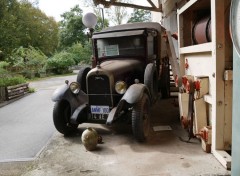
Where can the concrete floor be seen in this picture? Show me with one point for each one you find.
(164, 154)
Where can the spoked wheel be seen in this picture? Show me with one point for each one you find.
(61, 118)
(141, 119)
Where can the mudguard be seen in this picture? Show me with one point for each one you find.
(59, 93)
(77, 102)
(133, 95)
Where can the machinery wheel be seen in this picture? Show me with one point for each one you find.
(151, 80)
(141, 118)
(81, 78)
(61, 116)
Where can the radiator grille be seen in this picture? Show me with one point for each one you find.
(99, 90)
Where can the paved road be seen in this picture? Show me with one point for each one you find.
(26, 125)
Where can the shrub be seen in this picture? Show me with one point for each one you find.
(4, 64)
(60, 62)
(27, 60)
(81, 54)
(3, 70)
(11, 81)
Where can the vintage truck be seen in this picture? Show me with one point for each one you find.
(122, 84)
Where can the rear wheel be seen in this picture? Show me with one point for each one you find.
(61, 118)
(141, 118)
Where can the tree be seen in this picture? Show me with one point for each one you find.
(36, 29)
(81, 54)
(140, 15)
(118, 14)
(8, 27)
(72, 28)
(99, 26)
(22, 24)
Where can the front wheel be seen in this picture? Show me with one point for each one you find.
(151, 80)
(141, 118)
(61, 118)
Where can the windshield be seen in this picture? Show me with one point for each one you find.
(121, 46)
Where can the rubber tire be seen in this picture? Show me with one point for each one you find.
(81, 78)
(151, 80)
(165, 82)
(141, 118)
(61, 116)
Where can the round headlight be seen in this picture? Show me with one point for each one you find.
(121, 87)
(74, 87)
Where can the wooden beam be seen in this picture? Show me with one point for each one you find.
(152, 6)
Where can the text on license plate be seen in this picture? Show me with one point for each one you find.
(99, 109)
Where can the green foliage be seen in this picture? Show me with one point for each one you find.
(99, 25)
(22, 24)
(27, 61)
(11, 81)
(31, 90)
(81, 54)
(72, 28)
(36, 29)
(140, 15)
(3, 68)
(3, 64)
(60, 62)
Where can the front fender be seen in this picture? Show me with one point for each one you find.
(59, 93)
(135, 93)
(132, 96)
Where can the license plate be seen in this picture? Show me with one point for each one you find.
(99, 109)
(99, 116)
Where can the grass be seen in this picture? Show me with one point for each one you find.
(31, 90)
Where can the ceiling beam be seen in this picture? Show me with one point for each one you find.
(109, 3)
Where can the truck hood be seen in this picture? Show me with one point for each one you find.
(121, 66)
(118, 67)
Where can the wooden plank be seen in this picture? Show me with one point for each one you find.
(17, 92)
(183, 99)
(200, 113)
(15, 96)
(2, 94)
(168, 7)
(205, 47)
(227, 131)
(208, 99)
(172, 55)
(223, 157)
(16, 86)
(218, 64)
(186, 6)
(17, 89)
